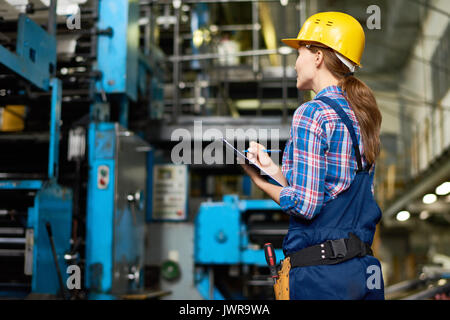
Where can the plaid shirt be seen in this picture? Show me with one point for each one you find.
(318, 160)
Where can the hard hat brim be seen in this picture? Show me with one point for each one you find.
(292, 42)
(296, 43)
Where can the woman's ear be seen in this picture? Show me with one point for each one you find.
(318, 58)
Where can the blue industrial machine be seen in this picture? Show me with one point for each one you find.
(115, 211)
(99, 225)
(35, 56)
(231, 234)
(117, 54)
(118, 158)
(35, 211)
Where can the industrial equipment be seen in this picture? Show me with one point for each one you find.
(117, 157)
(75, 89)
(30, 196)
(229, 240)
(432, 281)
(115, 211)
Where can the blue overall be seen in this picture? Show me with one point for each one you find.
(354, 210)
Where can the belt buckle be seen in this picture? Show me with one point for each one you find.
(338, 248)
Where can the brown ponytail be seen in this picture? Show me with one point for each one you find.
(361, 100)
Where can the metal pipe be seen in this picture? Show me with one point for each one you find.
(188, 101)
(211, 283)
(55, 259)
(12, 240)
(6, 230)
(284, 88)
(176, 67)
(147, 30)
(259, 95)
(403, 286)
(302, 12)
(226, 90)
(208, 56)
(267, 232)
(11, 252)
(255, 35)
(428, 293)
(51, 26)
(93, 51)
(239, 27)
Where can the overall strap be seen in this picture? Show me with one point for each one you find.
(348, 123)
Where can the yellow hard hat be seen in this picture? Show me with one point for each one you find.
(336, 30)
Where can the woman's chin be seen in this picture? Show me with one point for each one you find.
(301, 86)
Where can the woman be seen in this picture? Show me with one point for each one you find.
(328, 168)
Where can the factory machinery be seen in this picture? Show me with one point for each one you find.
(229, 239)
(230, 261)
(76, 182)
(73, 176)
(432, 283)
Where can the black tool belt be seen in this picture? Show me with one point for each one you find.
(330, 252)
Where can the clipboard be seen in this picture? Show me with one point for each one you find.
(253, 164)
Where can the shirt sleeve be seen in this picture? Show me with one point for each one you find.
(286, 167)
(304, 198)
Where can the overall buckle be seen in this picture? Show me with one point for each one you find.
(338, 248)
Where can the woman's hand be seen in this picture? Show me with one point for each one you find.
(251, 172)
(256, 153)
(262, 159)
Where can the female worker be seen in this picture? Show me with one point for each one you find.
(328, 167)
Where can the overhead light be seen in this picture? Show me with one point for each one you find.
(66, 7)
(442, 282)
(403, 216)
(214, 28)
(443, 189)
(201, 100)
(143, 21)
(176, 4)
(284, 50)
(429, 198)
(424, 215)
(197, 38)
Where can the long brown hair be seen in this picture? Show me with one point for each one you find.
(361, 100)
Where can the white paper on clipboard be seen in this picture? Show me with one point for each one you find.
(239, 154)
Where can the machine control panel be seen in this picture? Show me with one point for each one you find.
(102, 177)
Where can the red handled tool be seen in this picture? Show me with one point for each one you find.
(271, 261)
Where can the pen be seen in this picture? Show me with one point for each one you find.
(267, 150)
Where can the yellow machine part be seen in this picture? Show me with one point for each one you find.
(268, 32)
(12, 118)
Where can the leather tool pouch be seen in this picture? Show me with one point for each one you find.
(281, 287)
